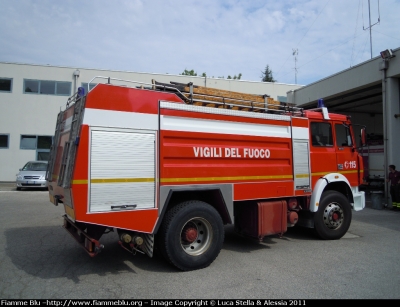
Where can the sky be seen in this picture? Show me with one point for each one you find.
(301, 41)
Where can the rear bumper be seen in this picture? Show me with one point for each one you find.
(90, 245)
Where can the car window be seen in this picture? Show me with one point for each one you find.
(33, 166)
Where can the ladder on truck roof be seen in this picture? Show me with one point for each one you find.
(224, 99)
(211, 97)
(69, 153)
(53, 148)
(56, 139)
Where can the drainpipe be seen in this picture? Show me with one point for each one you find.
(76, 76)
(383, 67)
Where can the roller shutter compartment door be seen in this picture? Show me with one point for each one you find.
(122, 170)
(301, 154)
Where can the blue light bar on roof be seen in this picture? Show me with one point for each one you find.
(81, 91)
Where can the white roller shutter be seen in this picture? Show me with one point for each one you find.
(301, 164)
(122, 170)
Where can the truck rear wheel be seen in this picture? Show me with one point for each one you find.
(191, 235)
(333, 218)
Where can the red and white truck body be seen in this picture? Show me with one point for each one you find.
(167, 173)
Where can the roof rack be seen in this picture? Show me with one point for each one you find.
(217, 98)
(208, 97)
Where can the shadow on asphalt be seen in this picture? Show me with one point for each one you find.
(50, 252)
(239, 243)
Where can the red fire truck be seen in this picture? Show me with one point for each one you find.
(166, 166)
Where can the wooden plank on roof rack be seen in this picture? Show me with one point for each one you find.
(232, 98)
(223, 98)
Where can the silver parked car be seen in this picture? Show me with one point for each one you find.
(32, 175)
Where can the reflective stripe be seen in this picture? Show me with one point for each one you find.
(340, 172)
(238, 178)
(117, 180)
(164, 180)
(113, 180)
(198, 179)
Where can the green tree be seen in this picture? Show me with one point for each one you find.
(266, 75)
(235, 77)
(189, 73)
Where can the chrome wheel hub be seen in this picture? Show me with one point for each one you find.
(196, 236)
(333, 216)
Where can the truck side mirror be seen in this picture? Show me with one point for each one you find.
(363, 136)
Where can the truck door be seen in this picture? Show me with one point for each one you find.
(323, 160)
(346, 155)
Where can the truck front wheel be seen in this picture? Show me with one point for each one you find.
(333, 218)
(191, 235)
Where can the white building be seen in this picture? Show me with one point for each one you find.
(32, 95)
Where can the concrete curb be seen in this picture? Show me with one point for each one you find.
(7, 186)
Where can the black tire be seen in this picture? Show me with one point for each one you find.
(18, 189)
(333, 218)
(191, 235)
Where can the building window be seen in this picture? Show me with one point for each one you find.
(85, 86)
(28, 142)
(63, 88)
(42, 155)
(43, 147)
(36, 141)
(31, 86)
(44, 141)
(5, 85)
(4, 140)
(282, 98)
(46, 87)
(40, 143)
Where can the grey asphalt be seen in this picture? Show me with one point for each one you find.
(39, 260)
